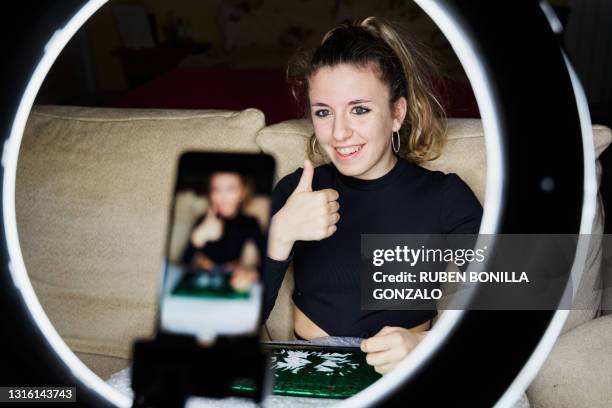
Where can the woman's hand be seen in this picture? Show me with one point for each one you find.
(203, 262)
(389, 346)
(211, 229)
(243, 278)
(306, 216)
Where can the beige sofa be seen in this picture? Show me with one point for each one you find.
(93, 196)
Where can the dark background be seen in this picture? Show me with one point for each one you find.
(213, 54)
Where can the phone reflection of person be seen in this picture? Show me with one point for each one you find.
(376, 120)
(219, 236)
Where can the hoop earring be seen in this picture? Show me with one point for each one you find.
(395, 149)
(314, 143)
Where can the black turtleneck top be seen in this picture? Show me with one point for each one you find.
(236, 232)
(407, 200)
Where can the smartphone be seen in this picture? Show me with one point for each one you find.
(216, 243)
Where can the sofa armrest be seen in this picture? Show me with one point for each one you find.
(578, 371)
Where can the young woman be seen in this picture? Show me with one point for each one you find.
(375, 120)
(219, 236)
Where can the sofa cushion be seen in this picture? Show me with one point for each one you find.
(104, 366)
(465, 155)
(577, 372)
(93, 196)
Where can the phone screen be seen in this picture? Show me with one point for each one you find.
(211, 280)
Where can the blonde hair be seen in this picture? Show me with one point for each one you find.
(400, 64)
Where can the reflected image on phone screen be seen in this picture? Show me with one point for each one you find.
(211, 282)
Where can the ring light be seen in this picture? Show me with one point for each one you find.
(465, 348)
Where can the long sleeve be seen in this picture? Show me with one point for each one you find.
(461, 211)
(274, 271)
(260, 241)
(461, 214)
(190, 250)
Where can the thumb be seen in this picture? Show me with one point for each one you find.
(305, 183)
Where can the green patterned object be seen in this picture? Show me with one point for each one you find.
(206, 285)
(316, 371)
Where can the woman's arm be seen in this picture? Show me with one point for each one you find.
(461, 213)
(273, 271)
(298, 213)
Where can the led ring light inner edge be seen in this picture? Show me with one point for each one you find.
(477, 76)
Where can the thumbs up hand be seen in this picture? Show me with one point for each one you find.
(306, 216)
(211, 229)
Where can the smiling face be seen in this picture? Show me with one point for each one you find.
(353, 120)
(226, 193)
